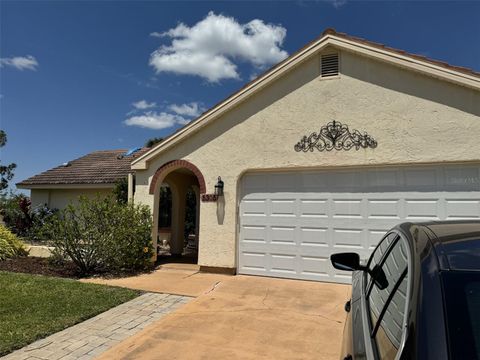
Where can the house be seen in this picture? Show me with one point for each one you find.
(323, 153)
(94, 173)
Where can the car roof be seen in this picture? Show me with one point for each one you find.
(456, 243)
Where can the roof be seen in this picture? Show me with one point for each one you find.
(439, 69)
(97, 168)
(402, 52)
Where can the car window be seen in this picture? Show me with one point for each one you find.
(379, 251)
(388, 305)
(389, 333)
(462, 300)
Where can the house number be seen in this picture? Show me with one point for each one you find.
(209, 197)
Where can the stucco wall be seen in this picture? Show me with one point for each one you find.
(414, 118)
(60, 198)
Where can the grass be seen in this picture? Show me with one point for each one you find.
(33, 307)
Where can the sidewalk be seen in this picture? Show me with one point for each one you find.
(94, 336)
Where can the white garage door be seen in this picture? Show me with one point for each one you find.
(291, 222)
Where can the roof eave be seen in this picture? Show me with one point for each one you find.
(65, 186)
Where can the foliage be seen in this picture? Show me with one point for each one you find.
(21, 219)
(16, 212)
(6, 171)
(10, 245)
(120, 191)
(102, 235)
(40, 216)
(155, 140)
(33, 307)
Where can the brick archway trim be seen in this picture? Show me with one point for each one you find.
(178, 164)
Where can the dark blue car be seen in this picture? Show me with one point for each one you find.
(418, 297)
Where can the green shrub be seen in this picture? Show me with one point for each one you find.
(102, 235)
(16, 212)
(120, 191)
(10, 245)
(21, 218)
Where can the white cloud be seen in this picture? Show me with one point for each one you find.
(154, 120)
(337, 3)
(20, 62)
(156, 34)
(208, 48)
(193, 109)
(142, 105)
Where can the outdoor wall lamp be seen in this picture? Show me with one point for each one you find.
(219, 187)
(217, 195)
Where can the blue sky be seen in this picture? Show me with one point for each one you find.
(79, 76)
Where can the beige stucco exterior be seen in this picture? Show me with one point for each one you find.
(59, 198)
(415, 119)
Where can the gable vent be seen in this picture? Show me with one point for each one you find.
(329, 65)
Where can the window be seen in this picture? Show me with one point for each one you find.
(389, 333)
(380, 250)
(387, 306)
(462, 300)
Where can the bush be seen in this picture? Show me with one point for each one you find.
(22, 219)
(16, 214)
(10, 245)
(120, 191)
(102, 235)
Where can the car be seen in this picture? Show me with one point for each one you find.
(418, 296)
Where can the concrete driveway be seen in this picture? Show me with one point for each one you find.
(246, 317)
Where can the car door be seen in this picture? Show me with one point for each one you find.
(356, 332)
(387, 308)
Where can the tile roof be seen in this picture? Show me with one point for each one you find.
(98, 167)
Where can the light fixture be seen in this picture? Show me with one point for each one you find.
(219, 187)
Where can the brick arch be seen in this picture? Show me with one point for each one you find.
(178, 164)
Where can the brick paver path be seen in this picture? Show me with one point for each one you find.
(90, 338)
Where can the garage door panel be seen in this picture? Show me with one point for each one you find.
(383, 209)
(314, 236)
(290, 223)
(254, 261)
(347, 208)
(462, 208)
(282, 235)
(313, 208)
(255, 233)
(254, 207)
(347, 239)
(283, 263)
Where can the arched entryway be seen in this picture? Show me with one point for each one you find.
(177, 187)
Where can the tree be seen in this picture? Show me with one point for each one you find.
(6, 171)
(121, 190)
(150, 142)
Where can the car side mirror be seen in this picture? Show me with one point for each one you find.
(346, 261)
(351, 262)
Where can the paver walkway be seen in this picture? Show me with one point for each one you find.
(92, 337)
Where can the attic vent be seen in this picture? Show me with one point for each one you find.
(329, 65)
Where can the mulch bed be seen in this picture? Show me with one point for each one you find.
(39, 266)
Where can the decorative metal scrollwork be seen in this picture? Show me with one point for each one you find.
(335, 136)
